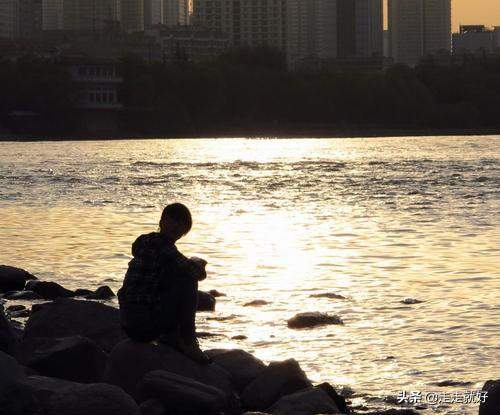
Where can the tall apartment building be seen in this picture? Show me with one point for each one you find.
(247, 22)
(476, 39)
(9, 19)
(153, 13)
(30, 18)
(418, 28)
(90, 15)
(52, 14)
(132, 15)
(329, 29)
(176, 12)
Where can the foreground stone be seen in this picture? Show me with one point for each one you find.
(75, 358)
(69, 317)
(308, 401)
(492, 404)
(12, 278)
(180, 394)
(22, 295)
(206, 301)
(277, 380)
(331, 296)
(313, 319)
(8, 337)
(410, 301)
(48, 290)
(102, 293)
(241, 365)
(130, 361)
(255, 303)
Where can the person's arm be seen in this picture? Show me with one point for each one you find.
(193, 267)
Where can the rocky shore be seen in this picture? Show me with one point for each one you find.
(72, 358)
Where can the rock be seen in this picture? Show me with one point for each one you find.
(255, 413)
(68, 317)
(216, 293)
(82, 292)
(129, 362)
(12, 278)
(95, 399)
(10, 370)
(309, 401)
(152, 407)
(313, 319)
(239, 337)
(48, 290)
(331, 296)
(255, 303)
(449, 382)
(275, 381)
(241, 365)
(206, 301)
(20, 314)
(102, 293)
(74, 358)
(181, 394)
(393, 412)
(15, 307)
(8, 337)
(23, 295)
(492, 404)
(411, 301)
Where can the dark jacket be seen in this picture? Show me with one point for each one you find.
(156, 264)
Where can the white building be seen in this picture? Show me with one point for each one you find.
(418, 28)
(247, 22)
(132, 15)
(176, 12)
(9, 19)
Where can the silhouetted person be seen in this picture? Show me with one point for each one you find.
(159, 296)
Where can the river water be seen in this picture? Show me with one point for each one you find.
(376, 220)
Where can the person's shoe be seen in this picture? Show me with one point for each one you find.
(191, 349)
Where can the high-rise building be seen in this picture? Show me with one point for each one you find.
(476, 39)
(9, 19)
(30, 18)
(153, 11)
(90, 15)
(418, 28)
(369, 28)
(132, 15)
(176, 12)
(247, 22)
(52, 14)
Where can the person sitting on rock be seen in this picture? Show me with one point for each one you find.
(159, 296)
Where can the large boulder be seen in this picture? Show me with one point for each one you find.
(152, 407)
(491, 406)
(206, 301)
(8, 337)
(312, 319)
(12, 278)
(48, 290)
(22, 295)
(130, 361)
(74, 358)
(277, 380)
(68, 317)
(102, 293)
(241, 365)
(308, 401)
(181, 394)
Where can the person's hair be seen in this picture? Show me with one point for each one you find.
(180, 213)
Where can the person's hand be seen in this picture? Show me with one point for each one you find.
(200, 261)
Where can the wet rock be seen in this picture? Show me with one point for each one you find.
(445, 383)
(12, 278)
(492, 404)
(152, 407)
(20, 313)
(102, 293)
(410, 301)
(74, 358)
(275, 381)
(48, 290)
(313, 319)
(206, 301)
(393, 412)
(23, 295)
(15, 307)
(309, 401)
(10, 370)
(8, 337)
(331, 296)
(216, 293)
(82, 292)
(239, 337)
(255, 413)
(241, 365)
(255, 303)
(181, 394)
(95, 399)
(129, 362)
(69, 317)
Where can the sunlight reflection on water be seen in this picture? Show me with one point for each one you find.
(376, 220)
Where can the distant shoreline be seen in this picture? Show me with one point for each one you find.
(298, 132)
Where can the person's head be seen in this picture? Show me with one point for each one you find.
(175, 221)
